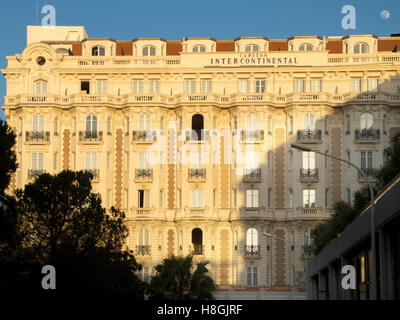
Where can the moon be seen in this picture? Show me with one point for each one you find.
(385, 14)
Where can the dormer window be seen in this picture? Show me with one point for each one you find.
(98, 51)
(305, 47)
(361, 48)
(252, 48)
(148, 51)
(199, 48)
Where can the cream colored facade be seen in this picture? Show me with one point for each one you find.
(249, 106)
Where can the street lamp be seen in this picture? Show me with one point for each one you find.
(371, 191)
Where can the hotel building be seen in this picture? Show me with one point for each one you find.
(191, 138)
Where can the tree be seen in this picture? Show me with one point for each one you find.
(61, 222)
(175, 280)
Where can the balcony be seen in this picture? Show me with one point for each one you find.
(142, 211)
(251, 210)
(369, 172)
(252, 136)
(309, 136)
(37, 137)
(251, 251)
(143, 250)
(252, 175)
(197, 249)
(367, 135)
(95, 173)
(144, 136)
(196, 174)
(142, 175)
(90, 136)
(34, 173)
(309, 175)
(197, 137)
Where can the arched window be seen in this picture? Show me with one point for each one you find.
(197, 126)
(309, 121)
(366, 121)
(41, 87)
(305, 47)
(251, 238)
(197, 241)
(91, 126)
(148, 51)
(199, 48)
(62, 51)
(38, 123)
(98, 51)
(252, 48)
(252, 121)
(144, 122)
(361, 48)
(144, 237)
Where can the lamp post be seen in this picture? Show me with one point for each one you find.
(372, 221)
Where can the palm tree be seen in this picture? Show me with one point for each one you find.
(175, 280)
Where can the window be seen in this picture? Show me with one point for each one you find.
(91, 161)
(144, 122)
(361, 48)
(154, 86)
(143, 160)
(143, 198)
(326, 198)
(252, 198)
(305, 47)
(252, 48)
(197, 159)
(355, 84)
(37, 161)
(316, 84)
(199, 48)
(91, 125)
(137, 86)
(252, 237)
(309, 121)
(348, 124)
(299, 85)
(145, 274)
(367, 160)
(309, 198)
(269, 198)
(148, 51)
(98, 51)
(40, 87)
(243, 85)
(38, 124)
(101, 86)
(197, 198)
(85, 86)
(197, 126)
(308, 160)
(366, 121)
(348, 196)
(205, 86)
(252, 276)
(373, 84)
(290, 198)
(252, 122)
(307, 237)
(190, 86)
(259, 85)
(348, 156)
(251, 158)
(144, 237)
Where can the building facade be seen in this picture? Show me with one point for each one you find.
(191, 138)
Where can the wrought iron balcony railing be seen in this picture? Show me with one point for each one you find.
(33, 173)
(309, 135)
(252, 135)
(197, 249)
(251, 175)
(144, 136)
(365, 135)
(308, 174)
(308, 250)
(143, 250)
(369, 172)
(144, 174)
(37, 136)
(196, 173)
(251, 250)
(91, 136)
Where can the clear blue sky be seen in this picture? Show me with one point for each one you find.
(175, 19)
